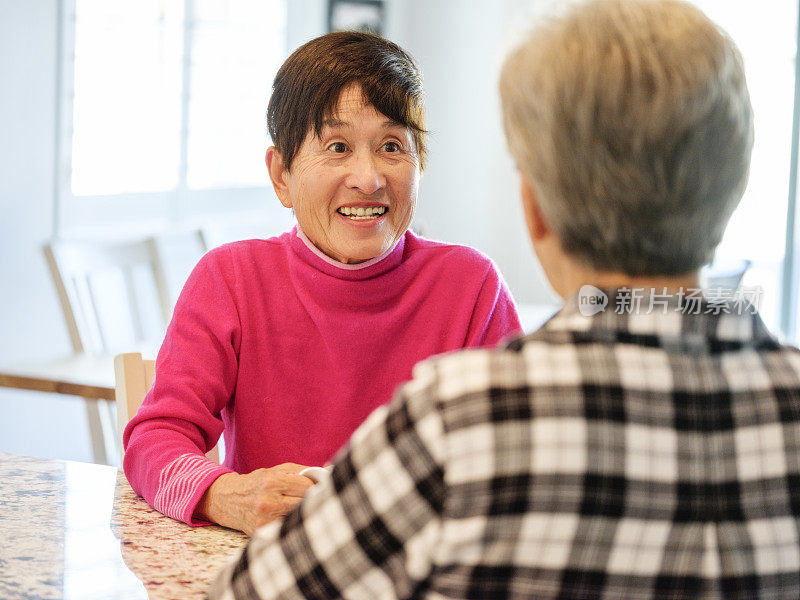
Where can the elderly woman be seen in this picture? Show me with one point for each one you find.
(285, 345)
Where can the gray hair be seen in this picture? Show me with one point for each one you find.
(632, 121)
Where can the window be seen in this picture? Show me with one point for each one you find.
(163, 107)
(767, 38)
(235, 83)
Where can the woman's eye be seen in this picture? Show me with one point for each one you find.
(391, 147)
(338, 147)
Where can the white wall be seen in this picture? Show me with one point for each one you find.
(31, 325)
(468, 193)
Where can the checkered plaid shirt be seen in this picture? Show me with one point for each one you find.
(610, 456)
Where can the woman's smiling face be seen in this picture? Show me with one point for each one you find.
(354, 188)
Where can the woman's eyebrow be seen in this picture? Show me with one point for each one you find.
(334, 123)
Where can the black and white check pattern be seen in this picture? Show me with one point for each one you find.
(640, 456)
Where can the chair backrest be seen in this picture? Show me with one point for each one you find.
(177, 254)
(113, 294)
(120, 295)
(134, 377)
(724, 276)
(257, 226)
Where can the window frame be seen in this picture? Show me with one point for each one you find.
(790, 284)
(130, 214)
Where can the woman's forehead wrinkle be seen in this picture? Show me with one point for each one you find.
(335, 123)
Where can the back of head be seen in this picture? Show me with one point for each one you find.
(632, 121)
(307, 87)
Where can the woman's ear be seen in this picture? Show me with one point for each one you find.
(278, 174)
(538, 228)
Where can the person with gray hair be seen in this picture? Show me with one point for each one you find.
(645, 442)
(634, 128)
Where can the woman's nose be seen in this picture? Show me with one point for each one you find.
(365, 174)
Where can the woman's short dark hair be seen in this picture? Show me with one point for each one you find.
(307, 87)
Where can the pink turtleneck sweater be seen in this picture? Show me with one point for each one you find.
(286, 352)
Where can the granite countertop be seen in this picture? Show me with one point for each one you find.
(74, 530)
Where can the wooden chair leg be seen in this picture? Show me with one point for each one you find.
(108, 421)
(96, 436)
(103, 432)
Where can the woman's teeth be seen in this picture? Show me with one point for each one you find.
(361, 213)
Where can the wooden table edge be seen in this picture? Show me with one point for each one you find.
(38, 384)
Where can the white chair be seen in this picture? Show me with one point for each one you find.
(112, 294)
(245, 227)
(725, 276)
(118, 296)
(134, 377)
(177, 254)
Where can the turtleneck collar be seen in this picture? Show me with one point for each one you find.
(309, 253)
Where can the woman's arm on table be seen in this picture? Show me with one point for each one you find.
(179, 421)
(371, 528)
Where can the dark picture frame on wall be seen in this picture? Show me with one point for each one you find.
(361, 15)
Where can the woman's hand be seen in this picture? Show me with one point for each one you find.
(246, 502)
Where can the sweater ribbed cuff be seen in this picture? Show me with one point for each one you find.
(182, 484)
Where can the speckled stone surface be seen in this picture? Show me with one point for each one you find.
(31, 528)
(73, 530)
(170, 557)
